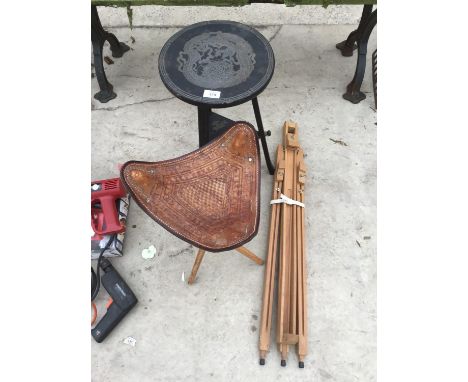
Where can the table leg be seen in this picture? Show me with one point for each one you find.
(353, 90)
(349, 45)
(262, 136)
(203, 125)
(98, 37)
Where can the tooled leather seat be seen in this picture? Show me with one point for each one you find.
(210, 197)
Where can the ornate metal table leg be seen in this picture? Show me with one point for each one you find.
(349, 45)
(98, 37)
(353, 90)
(203, 125)
(262, 135)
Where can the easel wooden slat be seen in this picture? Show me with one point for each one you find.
(268, 289)
(302, 332)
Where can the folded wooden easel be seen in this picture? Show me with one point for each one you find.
(287, 238)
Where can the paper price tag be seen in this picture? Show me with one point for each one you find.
(211, 94)
(130, 341)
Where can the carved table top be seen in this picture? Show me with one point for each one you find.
(216, 63)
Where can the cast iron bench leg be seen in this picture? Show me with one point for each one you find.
(353, 90)
(98, 37)
(349, 45)
(374, 75)
(262, 135)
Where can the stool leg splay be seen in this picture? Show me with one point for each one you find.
(201, 253)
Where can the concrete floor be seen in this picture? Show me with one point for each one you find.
(209, 331)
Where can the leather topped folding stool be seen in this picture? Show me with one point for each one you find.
(209, 198)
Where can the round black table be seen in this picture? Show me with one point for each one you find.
(218, 64)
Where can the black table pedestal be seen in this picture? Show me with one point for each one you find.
(98, 38)
(212, 125)
(204, 129)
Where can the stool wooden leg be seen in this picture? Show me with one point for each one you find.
(196, 265)
(250, 255)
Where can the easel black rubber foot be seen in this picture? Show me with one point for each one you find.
(262, 361)
(301, 364)
(283, 362)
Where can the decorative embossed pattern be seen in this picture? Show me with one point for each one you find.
(210, 197)
(216, 60)
(224, 56)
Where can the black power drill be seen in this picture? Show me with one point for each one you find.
(121, 302)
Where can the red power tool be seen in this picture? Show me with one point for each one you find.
(104, 214)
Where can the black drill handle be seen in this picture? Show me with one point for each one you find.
(110, 320)
(123, 300)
